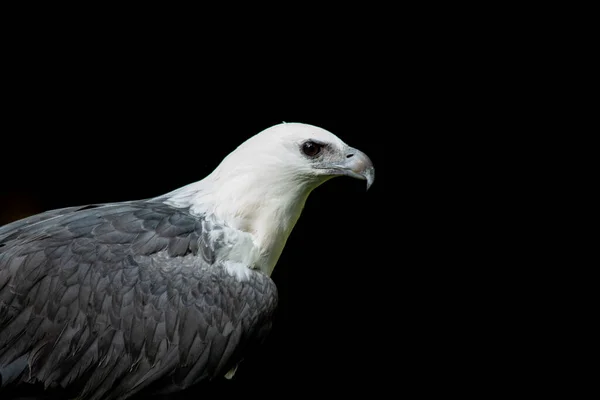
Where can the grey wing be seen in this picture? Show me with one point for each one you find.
(13, 229)
(108, 300)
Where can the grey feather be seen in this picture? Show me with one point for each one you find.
(109, 300)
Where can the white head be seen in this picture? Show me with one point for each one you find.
(261, 187)
(295, 156)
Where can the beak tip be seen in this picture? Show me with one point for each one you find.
(370, 176)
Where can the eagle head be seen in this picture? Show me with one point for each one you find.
(261, 186)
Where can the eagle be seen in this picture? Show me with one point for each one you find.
(109, 300)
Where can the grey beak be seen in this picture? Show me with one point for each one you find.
(359, 165)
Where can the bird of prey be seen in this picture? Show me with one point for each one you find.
(105, 301)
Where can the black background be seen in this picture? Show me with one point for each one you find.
(394, 288)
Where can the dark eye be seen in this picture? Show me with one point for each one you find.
(311, 148)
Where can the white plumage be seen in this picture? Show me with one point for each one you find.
(262, 186)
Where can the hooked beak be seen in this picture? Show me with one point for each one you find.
(356, 165)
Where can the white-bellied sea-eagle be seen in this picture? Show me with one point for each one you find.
(110, 300)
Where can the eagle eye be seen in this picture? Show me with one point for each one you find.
(311, 148)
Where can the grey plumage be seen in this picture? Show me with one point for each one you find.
(110, 299)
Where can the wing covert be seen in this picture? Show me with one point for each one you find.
(110, 299)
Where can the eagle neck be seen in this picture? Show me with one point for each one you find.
(266, 208)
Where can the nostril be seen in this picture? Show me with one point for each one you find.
(350, 155)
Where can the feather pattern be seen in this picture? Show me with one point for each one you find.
(108, 300)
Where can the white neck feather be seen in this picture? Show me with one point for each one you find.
(260, 188)
(261, 203)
